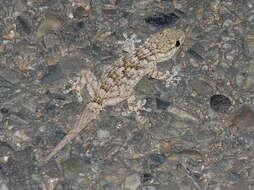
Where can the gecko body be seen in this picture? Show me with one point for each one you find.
(118, 82)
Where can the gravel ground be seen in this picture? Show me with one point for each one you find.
(199, 132)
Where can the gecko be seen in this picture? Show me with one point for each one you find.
(117, 84)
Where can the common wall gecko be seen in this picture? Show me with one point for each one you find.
(117, 84)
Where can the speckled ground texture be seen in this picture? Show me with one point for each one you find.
(199, 133)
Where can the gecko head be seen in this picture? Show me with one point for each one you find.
(166, 43)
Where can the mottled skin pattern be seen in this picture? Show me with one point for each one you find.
(118, 82)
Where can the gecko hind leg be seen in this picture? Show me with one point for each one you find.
(89, 79)
(133, 104)
(85, 78)
(136, 106)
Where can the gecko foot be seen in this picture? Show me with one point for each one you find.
(171, 78)
(136, 106)
(78, 83)
(128, 45)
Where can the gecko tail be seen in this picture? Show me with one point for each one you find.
(90, 113)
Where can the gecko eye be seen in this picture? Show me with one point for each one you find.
(177, 43)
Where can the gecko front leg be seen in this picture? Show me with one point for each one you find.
(128, 45)
(169, 77)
